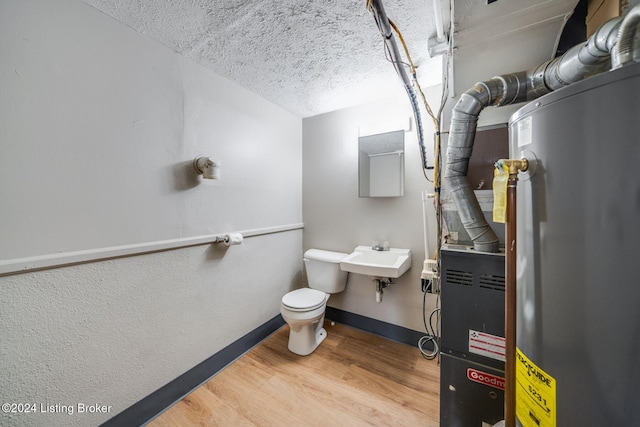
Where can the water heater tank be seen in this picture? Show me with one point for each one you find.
(578, 279)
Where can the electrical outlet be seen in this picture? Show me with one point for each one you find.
(430, 274)
(429, 269)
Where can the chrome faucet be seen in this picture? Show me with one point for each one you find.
(376, 246)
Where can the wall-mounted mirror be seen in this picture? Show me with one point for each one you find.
(381, 165)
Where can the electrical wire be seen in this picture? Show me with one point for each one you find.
(437, 182)
(416, 86)
(432, 332)
(391, 50)
(437, 118)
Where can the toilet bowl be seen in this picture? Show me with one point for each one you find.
(303, 309)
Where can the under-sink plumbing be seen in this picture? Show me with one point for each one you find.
(381, 283)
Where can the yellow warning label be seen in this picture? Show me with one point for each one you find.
(500, 180)
(535, 394)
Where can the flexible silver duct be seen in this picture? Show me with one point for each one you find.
(577, 63)
(626, 36)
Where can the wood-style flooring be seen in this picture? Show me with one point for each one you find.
(353, 379)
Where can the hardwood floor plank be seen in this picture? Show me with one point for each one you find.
(206, 409)
(422, 400)
(258, 408)
(354, 378)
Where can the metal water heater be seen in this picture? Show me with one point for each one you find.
(578, 280)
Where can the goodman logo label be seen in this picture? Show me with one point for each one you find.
(485, 378)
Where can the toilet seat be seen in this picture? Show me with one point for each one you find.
(304, 299)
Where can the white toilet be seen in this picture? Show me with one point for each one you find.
(303, 309)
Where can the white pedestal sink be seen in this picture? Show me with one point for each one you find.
(391, 263)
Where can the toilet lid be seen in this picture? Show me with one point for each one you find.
(304, 299)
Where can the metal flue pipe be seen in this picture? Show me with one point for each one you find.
(590, 57)
(626, 36)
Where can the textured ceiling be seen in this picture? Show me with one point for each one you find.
(309, 57)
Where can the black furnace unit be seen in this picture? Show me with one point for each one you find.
(472, 337)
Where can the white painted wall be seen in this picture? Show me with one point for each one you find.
(337, 219)
(98, 128)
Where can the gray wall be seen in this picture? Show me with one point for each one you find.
(98, 126)
(337, 219)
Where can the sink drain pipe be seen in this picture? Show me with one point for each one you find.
(380, 285)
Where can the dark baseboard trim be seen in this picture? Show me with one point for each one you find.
(378, 327)
(155, 403)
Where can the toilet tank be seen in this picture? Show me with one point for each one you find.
(323, 270)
